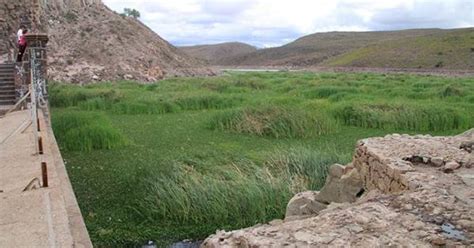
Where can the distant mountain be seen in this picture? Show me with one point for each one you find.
(418, 48)
(449, 50)
(219, 54)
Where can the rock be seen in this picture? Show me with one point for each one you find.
(438, 242)
(451, 166)
(469, 163)
(336, 170)
(341, 187)
(467, 225)
(468, 146)
(405, 204)
(128, 77)
(437, 161)
(304, 204)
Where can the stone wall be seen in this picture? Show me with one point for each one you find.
(417, 191)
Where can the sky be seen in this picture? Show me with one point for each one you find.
(269, 23)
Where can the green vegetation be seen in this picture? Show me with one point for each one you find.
(441, 50)
(278, 122)
(131, 13)
(187, 156)
(82, 131)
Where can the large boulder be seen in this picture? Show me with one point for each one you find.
(343, 184)
(304, 205)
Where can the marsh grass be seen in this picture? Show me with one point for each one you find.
(241, 193)
(83, 131)
(414, 117)
(273, 121)
(66, 96)
(329, 91)
(185, 157)
(207, 101)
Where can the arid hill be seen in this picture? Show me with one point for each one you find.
(88, 41)
(421, 48)
(218, 54)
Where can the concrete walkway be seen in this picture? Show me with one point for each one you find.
(41, 217)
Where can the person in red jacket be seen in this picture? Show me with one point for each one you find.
(21, 45)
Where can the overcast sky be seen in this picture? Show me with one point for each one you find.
(267, 23)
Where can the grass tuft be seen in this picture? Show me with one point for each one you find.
(328, 91)
(200, 102)
(278, 122)
(147, 107)
(83, 131)
(235, 195)
(451, 90)
(404, 117)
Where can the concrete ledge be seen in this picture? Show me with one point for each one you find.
(35, 216)
(76, 222)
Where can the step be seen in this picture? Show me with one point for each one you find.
(10, 97)
(7, 93)
(7, 102)
(7, 83)
(7, 87)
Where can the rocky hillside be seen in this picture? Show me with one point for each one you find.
(400, 191)
(89, 42)
(424, 48)
(219, 54)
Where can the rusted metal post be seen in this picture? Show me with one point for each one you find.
(44, 173)
(40, 145)
(38, 124)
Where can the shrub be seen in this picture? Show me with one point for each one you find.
(278, 122)
(70, 17)
(84, 131)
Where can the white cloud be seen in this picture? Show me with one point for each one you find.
(275, 22)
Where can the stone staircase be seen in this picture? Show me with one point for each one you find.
(7, 86)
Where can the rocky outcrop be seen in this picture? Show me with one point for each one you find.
(410, 191)
(89, 42)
